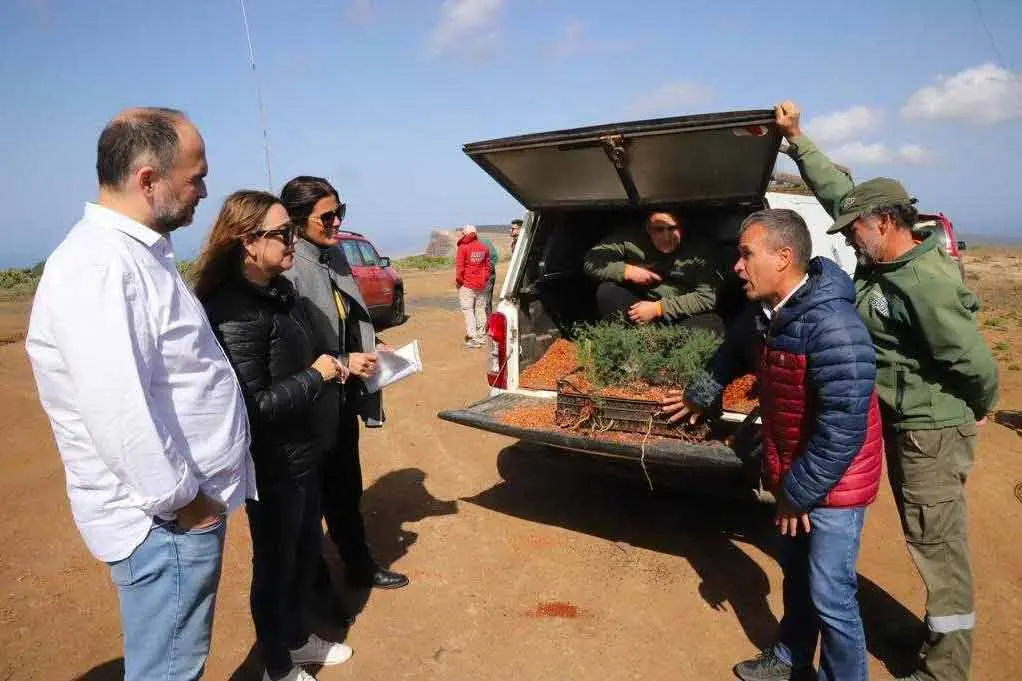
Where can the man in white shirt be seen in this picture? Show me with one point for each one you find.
(145, 408)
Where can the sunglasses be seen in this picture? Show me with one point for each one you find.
(327, 218)
(662, 228)
(286, 233)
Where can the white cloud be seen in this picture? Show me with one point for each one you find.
(983, 94)
(914, 153)
(842, 134)
(472, 25)
(842, 126)
(861, 153)
(671, 99)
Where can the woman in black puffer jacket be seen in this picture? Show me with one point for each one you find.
(252, 308)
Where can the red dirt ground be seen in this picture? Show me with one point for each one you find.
(672, 585)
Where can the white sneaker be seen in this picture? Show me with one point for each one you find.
(296, 674)
(318, 651)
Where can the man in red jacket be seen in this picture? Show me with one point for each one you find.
(471, 275)
(822, 439)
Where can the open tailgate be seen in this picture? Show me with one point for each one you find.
(486, 415)
(709, 158)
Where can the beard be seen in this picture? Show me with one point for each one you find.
(868, 255)
(171, 215)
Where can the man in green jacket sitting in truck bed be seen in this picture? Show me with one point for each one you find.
(936, 380)
(652, 274)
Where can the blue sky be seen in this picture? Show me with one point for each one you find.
(379, 95)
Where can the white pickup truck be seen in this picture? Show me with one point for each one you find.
(712, 170)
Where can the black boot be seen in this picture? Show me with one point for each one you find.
(768, 667)
(376, 577)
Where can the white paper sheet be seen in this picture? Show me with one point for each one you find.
(392, 367)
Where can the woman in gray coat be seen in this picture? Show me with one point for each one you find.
(342, 327)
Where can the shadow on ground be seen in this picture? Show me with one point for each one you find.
(449, 302)
(1010, 419)
(108, 671)
(686, 517)
(397, 498)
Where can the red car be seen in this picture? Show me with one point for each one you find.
(382, 287)
(928, 224)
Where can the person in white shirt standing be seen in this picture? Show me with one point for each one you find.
(146, 411)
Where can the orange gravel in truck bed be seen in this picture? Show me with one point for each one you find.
(558, 361)
(742, 395)
(540, 417)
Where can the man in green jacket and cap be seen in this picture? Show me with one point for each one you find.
(652, 273)
(936, 380)
(492, 281)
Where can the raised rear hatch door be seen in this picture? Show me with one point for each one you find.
(704, 159)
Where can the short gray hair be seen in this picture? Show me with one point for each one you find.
(137, 137)
(787, 229)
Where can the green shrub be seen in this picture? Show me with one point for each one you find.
(185, 268)
(424, 262)
(20, 281)
(616, 354)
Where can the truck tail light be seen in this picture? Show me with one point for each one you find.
(496, 373)
(949, 236)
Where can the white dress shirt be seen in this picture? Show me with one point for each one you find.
(771, 311)
(145, 407)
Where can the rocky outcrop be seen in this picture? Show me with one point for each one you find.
(442, 243)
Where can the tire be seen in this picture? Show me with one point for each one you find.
(397, 308)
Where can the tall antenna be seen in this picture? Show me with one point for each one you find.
(259, 97)
(990, 35)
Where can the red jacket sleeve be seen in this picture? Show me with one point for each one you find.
(459, 265)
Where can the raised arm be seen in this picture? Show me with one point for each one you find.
(828, 182)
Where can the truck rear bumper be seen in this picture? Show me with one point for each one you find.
(486, 415)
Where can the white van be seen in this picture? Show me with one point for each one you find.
(712, 170)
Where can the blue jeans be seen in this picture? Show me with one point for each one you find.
(167, 590)
(820, 602)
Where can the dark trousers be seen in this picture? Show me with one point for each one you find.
(286, 546)
(342, 499)
(614, 299)
(488, 297)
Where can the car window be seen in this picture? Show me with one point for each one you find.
(925, 229)
(352, 253)
(368, 253)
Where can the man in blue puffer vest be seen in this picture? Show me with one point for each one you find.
(822, 438)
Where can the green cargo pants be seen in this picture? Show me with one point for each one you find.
(928, 469)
